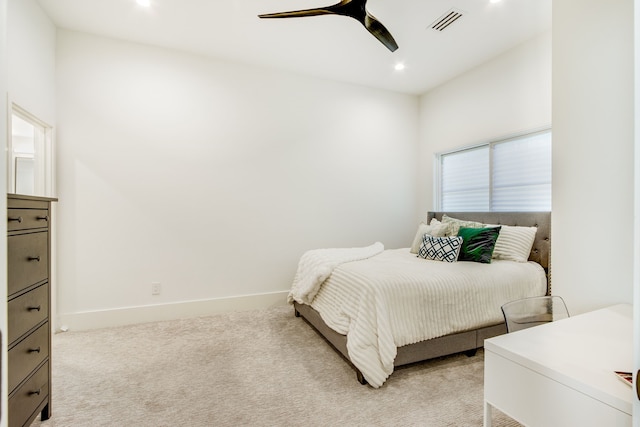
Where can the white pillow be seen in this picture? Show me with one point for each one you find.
(514, 243)
(436, 228)
(454, 224)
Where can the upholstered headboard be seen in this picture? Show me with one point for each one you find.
(541, 249)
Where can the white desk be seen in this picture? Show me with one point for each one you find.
(561, 373)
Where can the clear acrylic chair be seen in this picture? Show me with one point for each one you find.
(527, 312)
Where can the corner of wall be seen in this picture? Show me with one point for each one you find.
(3, 202)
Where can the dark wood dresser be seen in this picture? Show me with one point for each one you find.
(29, 314)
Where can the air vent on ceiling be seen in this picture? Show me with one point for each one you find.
(447, 19)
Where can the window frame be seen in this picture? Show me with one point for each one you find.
(44, 158)
(437, 181)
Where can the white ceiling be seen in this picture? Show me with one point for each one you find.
(334, 47)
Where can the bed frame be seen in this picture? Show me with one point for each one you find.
(468, 341)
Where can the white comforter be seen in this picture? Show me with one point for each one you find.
(395, 298)
(317, 264)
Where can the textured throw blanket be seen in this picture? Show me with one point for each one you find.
(316, 266)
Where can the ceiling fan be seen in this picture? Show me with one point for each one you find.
(355, 9)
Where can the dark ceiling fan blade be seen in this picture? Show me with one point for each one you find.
(379, 31)
(336, 9)
(355, 9)
(297, 13)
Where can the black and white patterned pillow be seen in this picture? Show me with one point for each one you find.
(440, 248)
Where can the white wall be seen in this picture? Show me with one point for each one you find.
(31, 38)
(3, 204)
(592, 245)
(636, 273)
(213, 178)
(27, 70)
(507, 95)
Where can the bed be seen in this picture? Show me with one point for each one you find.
(378, 338)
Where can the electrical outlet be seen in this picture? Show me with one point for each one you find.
(156, 288)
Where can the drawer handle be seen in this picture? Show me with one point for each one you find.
(34, 350)
(15, 219)
(36, 392)
(43, 218)
(34, 258)
(36, 308)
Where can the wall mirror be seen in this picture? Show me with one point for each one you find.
(30, 154)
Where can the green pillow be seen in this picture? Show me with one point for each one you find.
(478, 244)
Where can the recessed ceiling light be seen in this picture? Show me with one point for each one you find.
(494, 1)
(144, 3)
(399, 66)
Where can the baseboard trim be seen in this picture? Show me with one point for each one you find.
(179, 310)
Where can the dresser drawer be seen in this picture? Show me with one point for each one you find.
(27, 399)
(28, 202)
(25, 219)
(26, 311)
(28, 260)
(27, 355)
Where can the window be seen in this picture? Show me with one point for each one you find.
(507, 175)
(29, 155)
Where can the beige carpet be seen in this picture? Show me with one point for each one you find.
(259, 368)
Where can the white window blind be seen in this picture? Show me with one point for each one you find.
(507, 175)
(465, 180)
